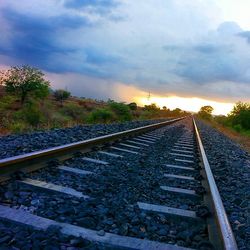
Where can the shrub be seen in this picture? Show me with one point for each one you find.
(206, 112)
(30, 114)
(151, 107)
(241, 115)
(121, 110)
(222, 119)
(18, 127)
(58, 120)
(6, 102)
(237, 127)
(132, 106)
(100, 115)
(33, 117)
(74, 111)
(61, 95)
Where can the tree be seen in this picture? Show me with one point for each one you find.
(240, 115)
(25, 81)
(61, 95)
(151, 107)
(101, 115)
(176, 112)
(132, 106)
(121, 110)
(206, 112)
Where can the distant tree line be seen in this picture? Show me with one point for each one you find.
(238, 118)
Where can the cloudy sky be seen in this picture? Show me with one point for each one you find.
(123, 49)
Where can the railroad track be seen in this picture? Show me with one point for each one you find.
(146, 188)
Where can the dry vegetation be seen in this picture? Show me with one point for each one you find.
(47, 113)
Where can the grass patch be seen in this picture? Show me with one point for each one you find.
(242, 137)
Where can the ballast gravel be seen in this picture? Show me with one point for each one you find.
(231, 168)
(115, 190)
(15, 144)
(16, 237)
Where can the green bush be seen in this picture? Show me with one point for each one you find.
(6, 102)
(151, 107)
(237, 127)
(100, 115)
(61, 95)
(242, 118)
(241, 115)
(121, 110)
(33, 117)
(222, 119)
(132, 106)
(18, 127)
(74, 111)
(238, 119)
(58, 120)
(206, 112)
(30, 114)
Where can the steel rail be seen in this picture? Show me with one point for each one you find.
(16, 163)
(223, 226)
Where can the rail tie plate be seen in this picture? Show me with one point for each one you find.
(146, 138)
(150, 137)
(95, 161)
(183, 177)
(53, 187)
(182, 155)
(124, 150)
(75, 170)
(178, 190)
(147, 141)
(110, 154)
(184, 147)
(129, 146)
(184, 144)
(138, 143)
(153, 136)
(182, 160)
(182, 151)
(179, 167)
(167, 210)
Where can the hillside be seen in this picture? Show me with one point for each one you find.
(47, 113)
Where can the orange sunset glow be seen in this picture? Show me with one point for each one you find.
(193, 104)
(187, 103)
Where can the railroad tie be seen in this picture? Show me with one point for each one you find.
(52, 187)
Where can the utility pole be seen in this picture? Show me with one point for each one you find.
(149, 95)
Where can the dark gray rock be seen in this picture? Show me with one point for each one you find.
(9, 195)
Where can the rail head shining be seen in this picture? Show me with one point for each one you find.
(225, 229)
(26, 158)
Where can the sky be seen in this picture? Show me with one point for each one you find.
(185, 53)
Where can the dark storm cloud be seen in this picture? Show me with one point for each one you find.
(219, 60)
(101, 7)
(94, 56)
(34, 39)
(203, 64)
(246, 35)
(123, 41)
(92, 3)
